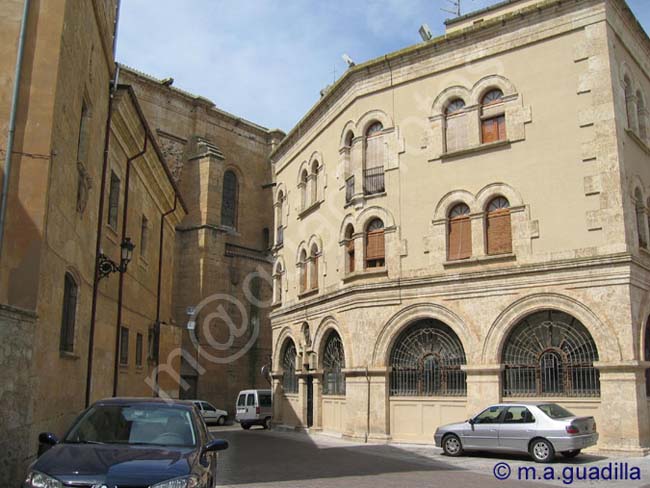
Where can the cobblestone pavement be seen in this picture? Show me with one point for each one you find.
(276, 459)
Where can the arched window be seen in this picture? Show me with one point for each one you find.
(314, 182)
(277, 282)
(426, 360)
(69, 313)
(630, 109)
(641, 219)
(229, 200)
(375, 245)
(550, 353)
(455, 125)
(459, 234)
(303, 271)
(289, 378)
(375, 153)
(304, 179)
(279, 219)
(493, 127)
(641, 115)
(349, 248)
(313, 258)
(498, 227)
(333, 366)
(646, 355)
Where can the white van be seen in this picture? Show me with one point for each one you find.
(254, 407)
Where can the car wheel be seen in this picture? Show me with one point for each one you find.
(245, 426)
(542, 451)
(267, 423)
(571, 454)
(221, 420)
(451, 445)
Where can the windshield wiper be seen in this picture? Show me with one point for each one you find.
(83, 442)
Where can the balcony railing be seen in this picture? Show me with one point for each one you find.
(280, 236)
(349, 189)
(373, 180)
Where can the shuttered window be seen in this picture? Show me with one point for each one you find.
(493, 129)
(314, 269)
(460, 233)
(498, 227)
(455, 125)
(375, 247)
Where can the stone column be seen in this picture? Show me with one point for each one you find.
(278, 399)
(366, 404)
(302, 402)
(624, 424)
(318, 402)
(483, 386)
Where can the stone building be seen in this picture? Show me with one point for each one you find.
(53, 226)
(465, 221)
(223, 272)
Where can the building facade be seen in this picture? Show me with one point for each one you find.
(223, 284)
(465, 222)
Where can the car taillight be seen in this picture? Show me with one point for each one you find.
(257, 410)
(572, 429)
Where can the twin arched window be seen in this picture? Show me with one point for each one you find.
(375, 244)
(289, 378)
(309, 185)
(309, 273)
(229, 200)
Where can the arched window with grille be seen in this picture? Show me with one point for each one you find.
(302, 264)
(641, 219)
(498, 227)
(455, 125)
(229, 200)
(349, 248)
(333, 365)
(426, 360)
(313, 259)
(69, 313)
(550, 353)
(459, 233)
(493, 125)
(375, 244)
(289, 378)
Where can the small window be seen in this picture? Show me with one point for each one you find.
(144, 236)
(124, 346)
(241, 401)
(113, 200)
(138, 349)
(68, 318)
(229, 200)
(375, 244)
(459, 236)
(518, 415)
(250, 400)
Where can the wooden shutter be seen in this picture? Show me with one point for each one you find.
(499, 232)
(456, 132)
(460, 238)
(314, 272)
(349, 249)
(375, 245)
(493, 129)
(375, 151)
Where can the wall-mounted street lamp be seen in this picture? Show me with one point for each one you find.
(108, 266)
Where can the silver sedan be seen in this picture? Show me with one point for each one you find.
(540, 429)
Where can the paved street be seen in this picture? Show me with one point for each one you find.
(288, 459)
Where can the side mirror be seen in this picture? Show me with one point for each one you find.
(471, 421)
(45, 441)
(216, 445)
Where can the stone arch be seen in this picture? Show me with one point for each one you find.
(281, 342)
(314, 239)
(301, 247)
(280, 188)
(347, 220)
(487, 193)
(452, 198)
(304, 166)
(407, 316)
(325, 326)
(315, 156)
(350, 126)
(500, 329)
(367, 119)
(447, 95)
(487, 83)
(279, 266)
(624, 72)
(371, 213)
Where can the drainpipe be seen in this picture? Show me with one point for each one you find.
(121, 274)
(100, 215)
(12, 122)
(367, 407)
(160, 263)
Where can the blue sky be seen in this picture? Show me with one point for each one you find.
(267, 60)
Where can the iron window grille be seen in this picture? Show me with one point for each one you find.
(426, 360)
(333, 365)
(289, 378)
(550, 353)
(373, 180)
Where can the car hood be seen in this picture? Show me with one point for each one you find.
(454, 426)
(115, 465)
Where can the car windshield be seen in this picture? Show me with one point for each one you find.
(555, 411)
(134, 425)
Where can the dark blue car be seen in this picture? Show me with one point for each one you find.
(130, 442)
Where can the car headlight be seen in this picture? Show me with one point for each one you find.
(40, 480)
(184, 482)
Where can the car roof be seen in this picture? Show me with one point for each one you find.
(523, 404)
(145, 401)
(251, 391)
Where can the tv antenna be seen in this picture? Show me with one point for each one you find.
(454, 8)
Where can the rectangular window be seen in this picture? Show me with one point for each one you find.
(113, 200)
(493, 129)
(124, 346)
(69, 314)
(144, 237)
(138, 350)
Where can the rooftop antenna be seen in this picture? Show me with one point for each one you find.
(454, 8)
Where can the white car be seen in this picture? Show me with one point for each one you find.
(210, 413)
